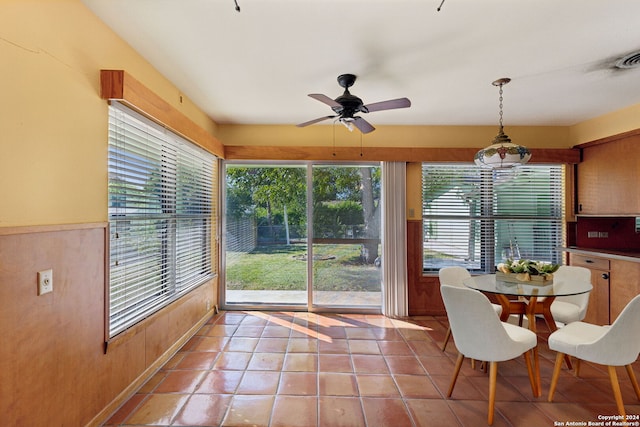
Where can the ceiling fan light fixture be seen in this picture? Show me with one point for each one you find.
(348, 124)
(502, 153)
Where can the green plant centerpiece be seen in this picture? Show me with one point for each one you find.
(524, 270)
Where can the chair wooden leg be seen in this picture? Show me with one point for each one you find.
(532, 378)
(576, 371)
(567, 360)
(634, 382)
(456, 371)
(446, 339)
(493, 376)
(556, 374)
(613, 376)
(536, 371)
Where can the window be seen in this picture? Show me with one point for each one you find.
(476, 218)
(160, 217)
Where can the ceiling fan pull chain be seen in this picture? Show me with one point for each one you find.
(238, 7)
(440, 7)
(334, 137)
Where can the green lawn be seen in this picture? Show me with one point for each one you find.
(284, 267)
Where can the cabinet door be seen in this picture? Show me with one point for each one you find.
(625, 284)
(608, 176)
(598, 309)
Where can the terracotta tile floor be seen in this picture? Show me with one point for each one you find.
(302, 369)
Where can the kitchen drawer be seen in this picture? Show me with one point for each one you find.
(589, 262)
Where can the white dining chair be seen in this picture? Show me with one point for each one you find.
(454, 276)
(615, 345)
(572, 308)
(479, 334)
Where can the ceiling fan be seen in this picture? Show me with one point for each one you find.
(346, 105)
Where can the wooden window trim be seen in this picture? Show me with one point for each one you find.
(391, 154)
(119, 85)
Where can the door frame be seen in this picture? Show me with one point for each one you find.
(308, 306)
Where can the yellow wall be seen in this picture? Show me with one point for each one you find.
(414, 192)
(616, 122)
(613, 123)
(53, 124)
(53, 213)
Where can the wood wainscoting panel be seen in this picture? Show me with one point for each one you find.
(51, 344)
(170, 326)
(54, 369)
(424, 291)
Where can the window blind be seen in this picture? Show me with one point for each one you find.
(160, 217)
(476, 218)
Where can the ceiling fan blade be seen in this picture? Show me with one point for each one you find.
(324, 98)
(310, 122)
(388, 105)
(363, 125)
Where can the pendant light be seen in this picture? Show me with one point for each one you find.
(502, 153)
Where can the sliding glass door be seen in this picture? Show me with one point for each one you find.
(265, 235)
(302, 236)
(346, 236)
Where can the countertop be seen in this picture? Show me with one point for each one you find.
(619, 255)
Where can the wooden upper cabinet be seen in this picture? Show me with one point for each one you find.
(609, 175)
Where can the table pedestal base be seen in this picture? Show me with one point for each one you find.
(530, 307)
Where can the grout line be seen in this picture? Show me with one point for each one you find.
(296, 324)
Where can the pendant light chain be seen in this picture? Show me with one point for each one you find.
(500, 92)
(500, 83)
(502, 153)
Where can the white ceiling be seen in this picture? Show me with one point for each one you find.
(257, 66)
